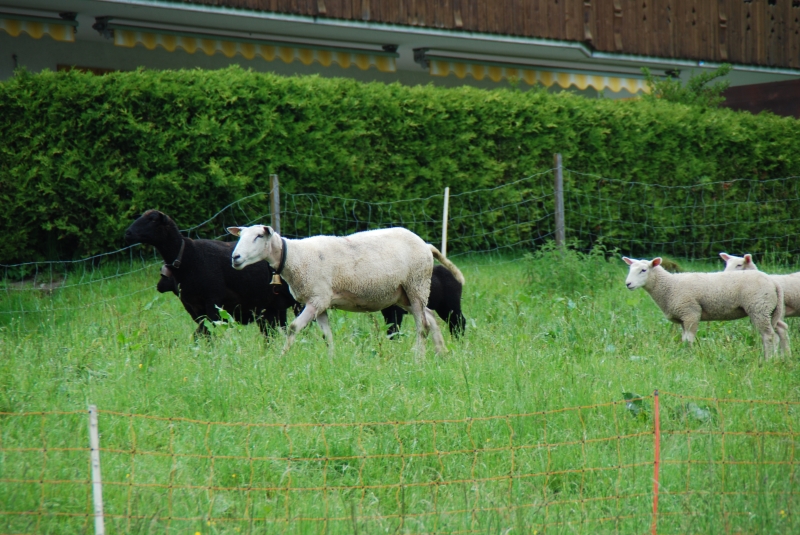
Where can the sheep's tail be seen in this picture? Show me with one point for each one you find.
(449, 265)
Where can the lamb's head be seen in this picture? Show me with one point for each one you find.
(152, 227)
(639, 271)
(255, 243)
(738, 263)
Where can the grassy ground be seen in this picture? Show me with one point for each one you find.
(543, 334)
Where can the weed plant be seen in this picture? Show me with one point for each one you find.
(553, 330)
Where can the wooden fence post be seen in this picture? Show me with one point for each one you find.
(275, 202)
(559, 202)
(444, 220)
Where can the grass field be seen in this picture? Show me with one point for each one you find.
(544, 334)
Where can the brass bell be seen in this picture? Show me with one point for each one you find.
(276, 279)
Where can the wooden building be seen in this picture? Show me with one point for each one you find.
(589, 46)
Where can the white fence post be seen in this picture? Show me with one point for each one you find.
(559, 198)
(444, 220)
(275, 205)
(97, 480)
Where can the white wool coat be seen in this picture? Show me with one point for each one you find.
(790, 283)
(363, 272)
(720, 296)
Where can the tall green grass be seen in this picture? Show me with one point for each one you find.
(549, 331)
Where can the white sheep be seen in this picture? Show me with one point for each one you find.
(689, 298)
(790, 283)
(363, 272)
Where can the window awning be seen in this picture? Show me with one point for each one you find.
(496, 71)
(150, 38)
(36, 27)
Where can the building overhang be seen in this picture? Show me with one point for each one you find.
(460, 49)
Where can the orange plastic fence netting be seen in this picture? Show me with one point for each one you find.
(588, 469)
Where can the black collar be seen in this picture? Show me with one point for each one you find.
(283, 257)
(177, 263)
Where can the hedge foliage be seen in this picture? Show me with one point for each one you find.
(80, 154)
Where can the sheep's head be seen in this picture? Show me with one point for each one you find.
(738, 263)
(167, 284)
(152, 228)
(639, 271)
(255, 243)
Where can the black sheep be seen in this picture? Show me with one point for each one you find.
(167, 283)
(200, 273)
(445, 299)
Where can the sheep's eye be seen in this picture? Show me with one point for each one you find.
(644, 271)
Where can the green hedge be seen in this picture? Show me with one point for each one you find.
(81, 154)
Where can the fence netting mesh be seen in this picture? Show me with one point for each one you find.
(637, 219)
(582, 469)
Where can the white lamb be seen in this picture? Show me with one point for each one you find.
(689, 298)
(363, 272)
(790, 283)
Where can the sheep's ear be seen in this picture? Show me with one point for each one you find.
(627, 260)
(234, 230)
(748, 259)
(725, 256)
(656, 261)
(267, 231)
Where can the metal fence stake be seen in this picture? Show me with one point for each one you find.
(656, 460)
(97, 480)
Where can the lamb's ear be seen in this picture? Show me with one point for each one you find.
(267, 231)
(234, 230)
(748, 259)
(725, 256)
(627, 260)
(656, 261)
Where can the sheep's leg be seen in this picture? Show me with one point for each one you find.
(322, 321)
(453, 316)
(197, 316)
(768, 341)
(433, 327)
(418, 310)
(305, 317)
(783, 335)
(456, 321)
(271, 321)
(763, 324)
(393, 317)
(212, 312)
(201, 330)
(690, 326)
(276, 319)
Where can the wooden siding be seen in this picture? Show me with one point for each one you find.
(778, 97)
(756, 32)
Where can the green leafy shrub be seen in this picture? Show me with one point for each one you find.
(80, 154)
(697, 91)
(569, 271)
